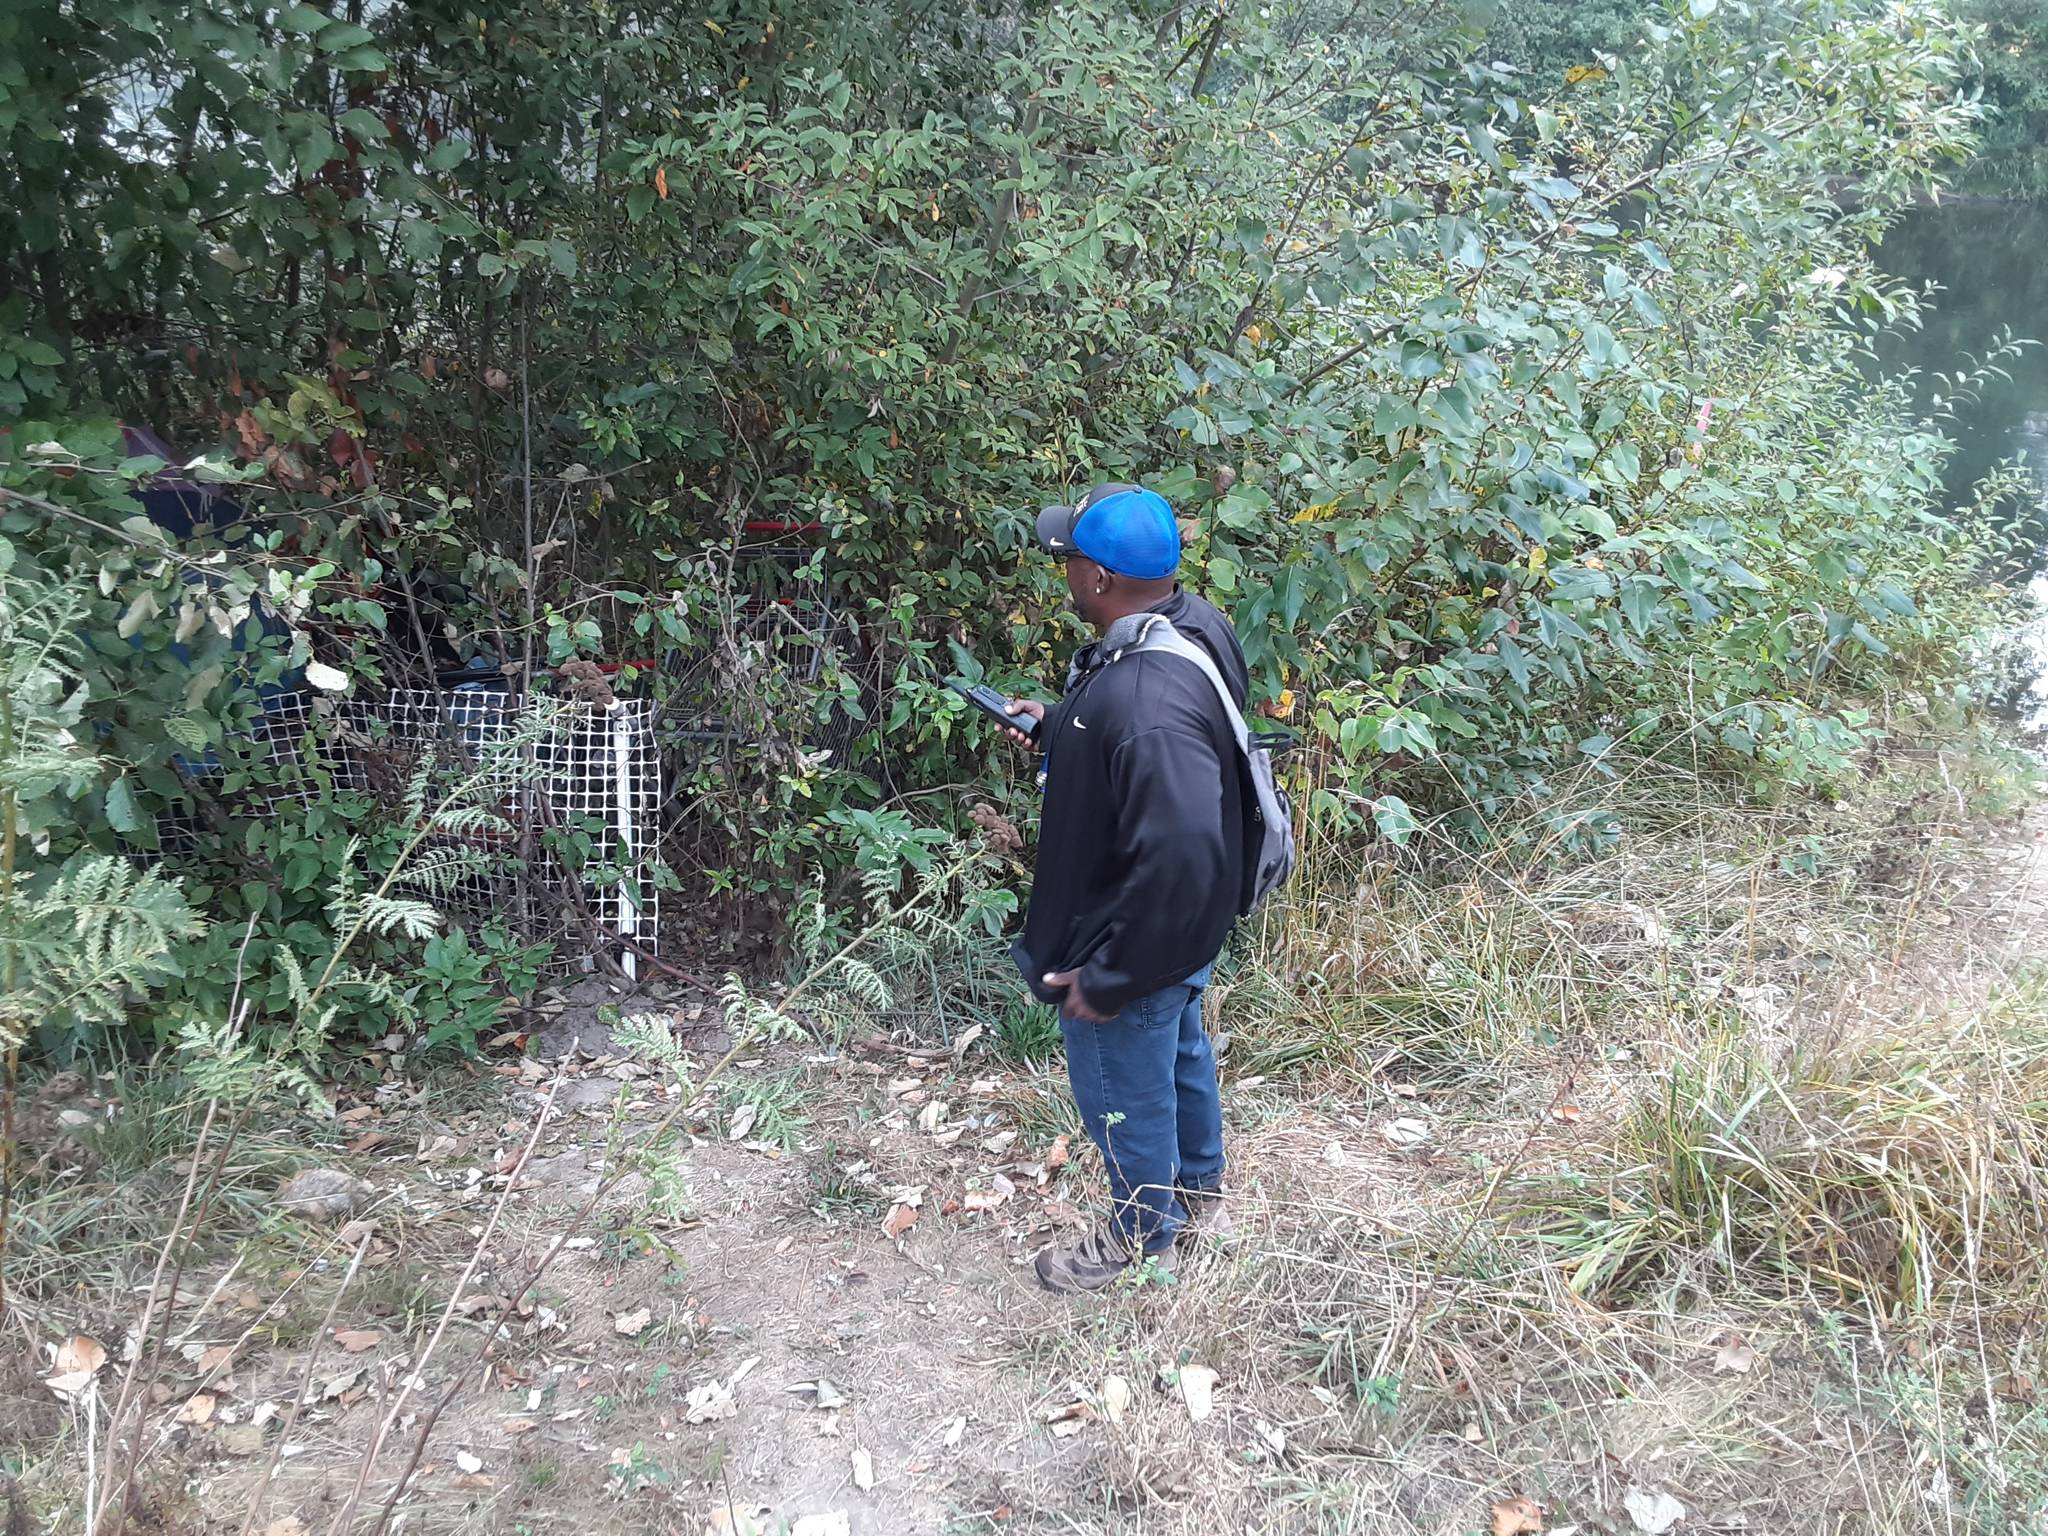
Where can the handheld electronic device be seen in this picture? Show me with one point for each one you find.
(996, 707)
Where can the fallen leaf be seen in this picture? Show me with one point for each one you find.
(1734, 1356)
(198, 1408)
(901, 1219)
(1406, 1132)
(834, 1524)
(335, 1386)
(327, 679)
(983, 1199)
(80, 1352)
(709, 1401)
(356, 1340)
(466, 1462)
(1404, 1090)
(290, 1525)
(743, 1120)
(739, 1520)
(1057, 1157)
(1197, 1390)
(823, 1393)
(932, 1116)
(497, 378)
(1517, 1516)
(1566, 1112)
(1116, 1398)
(1653, 1513)
(954, 1431)
(863, 1471)
(369, 1141)
(632, 1324)
(354, 1232)
(1070, 1418)
(1335, 1157)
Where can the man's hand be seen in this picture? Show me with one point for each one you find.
(1029, 707)
(1076, 1005)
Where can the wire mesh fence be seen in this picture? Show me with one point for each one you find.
(574, 793)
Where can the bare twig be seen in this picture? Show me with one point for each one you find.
(270, 1465)
(414, 1375)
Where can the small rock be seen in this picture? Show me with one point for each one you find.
(323, 1193)
(588, 1093)
(240, 1439)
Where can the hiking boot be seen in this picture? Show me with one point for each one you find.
(1088, 1265)
(1208, 1217)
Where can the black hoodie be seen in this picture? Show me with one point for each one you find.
(1141, 840)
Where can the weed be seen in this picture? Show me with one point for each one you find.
(838, 1188)
(1148, 1271)
(1027, 1033)
(1886, 1163)
(765, 1109)
(636, 1469)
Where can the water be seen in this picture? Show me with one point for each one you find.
(1988, 260)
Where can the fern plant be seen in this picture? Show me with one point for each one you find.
(839, 989)
(77, 937)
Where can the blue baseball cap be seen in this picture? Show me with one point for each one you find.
(1122, 528)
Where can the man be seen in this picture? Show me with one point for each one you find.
(1139, 872)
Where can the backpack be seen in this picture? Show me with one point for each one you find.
(1269, 853)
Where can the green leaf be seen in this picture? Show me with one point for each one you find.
(1640, 600)
(1397, 823)
(423, 241)
(1512, 658)
(365, 126)
(447, 154)
(123, 814)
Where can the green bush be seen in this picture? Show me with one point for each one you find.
(1518, 433)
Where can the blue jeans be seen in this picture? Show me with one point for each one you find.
(1145, 1084)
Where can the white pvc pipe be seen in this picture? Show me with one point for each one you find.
(622, 789)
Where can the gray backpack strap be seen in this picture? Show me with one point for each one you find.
(1269, 815)
(1160, 635)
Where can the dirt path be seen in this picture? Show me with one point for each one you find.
(750, 1329)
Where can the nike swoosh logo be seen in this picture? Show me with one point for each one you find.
(1080, 725)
